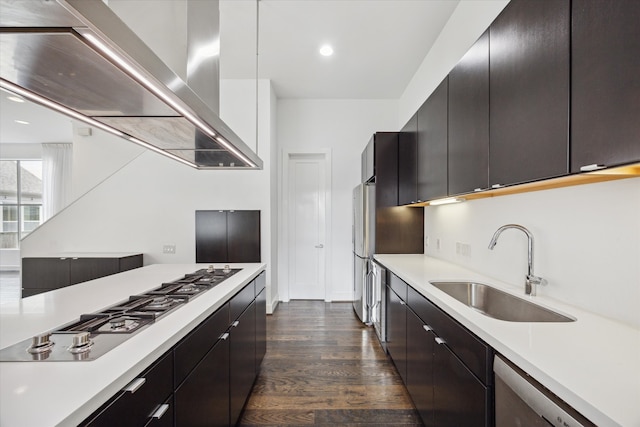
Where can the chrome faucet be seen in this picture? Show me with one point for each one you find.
(531, 281)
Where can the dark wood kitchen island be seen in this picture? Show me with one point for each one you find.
(66, 393)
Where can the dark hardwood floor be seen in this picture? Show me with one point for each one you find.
(323, 367)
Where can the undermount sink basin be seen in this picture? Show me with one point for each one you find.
(500, 305)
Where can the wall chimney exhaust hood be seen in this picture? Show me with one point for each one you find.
(78, 57)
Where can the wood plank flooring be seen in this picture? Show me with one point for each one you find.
(323, 367)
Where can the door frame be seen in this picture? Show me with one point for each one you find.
(283, 260)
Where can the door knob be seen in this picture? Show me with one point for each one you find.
(320, 246)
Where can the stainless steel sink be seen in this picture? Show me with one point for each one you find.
(495, 303)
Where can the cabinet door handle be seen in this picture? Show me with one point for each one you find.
(427, 328)
(440, 340)
(236, 323)
(134, 385)
(402, 302)
(160, 411)
(224, 336)
(496, 186)
(593, 167)
(320, 246)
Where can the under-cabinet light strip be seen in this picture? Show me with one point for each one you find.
(446, 201)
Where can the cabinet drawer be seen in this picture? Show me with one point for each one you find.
(399, 286)
(134, 408)
(131, 262)
(195, 345)
(242, 300)
(261, 282)
(471, 350)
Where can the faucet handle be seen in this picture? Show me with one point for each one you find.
(531, 283)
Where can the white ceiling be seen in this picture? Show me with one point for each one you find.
(45, 125)
(378, 44)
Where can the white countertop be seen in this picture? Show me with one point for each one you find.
(593, 363)
(65, 393)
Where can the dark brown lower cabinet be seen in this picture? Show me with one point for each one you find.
(447, 368)
(420, 342)
(397, 332)
(45, 274)
(203, 398)
(134, 405)
(242, 363)
(261, 324)
(206, 378)
(459, 398)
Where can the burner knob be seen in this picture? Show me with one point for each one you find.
(81, 339)
(41, 340)
(211, 269)
(226, 269)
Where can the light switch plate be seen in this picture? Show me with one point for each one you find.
(169, 249)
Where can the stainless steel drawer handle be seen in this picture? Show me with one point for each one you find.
(593, 167)
(134, 385)
(440, 340)
(236, 323)
(427, 328)
(160, 411)
(224, 336)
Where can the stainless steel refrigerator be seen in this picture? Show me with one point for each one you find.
(364, 222)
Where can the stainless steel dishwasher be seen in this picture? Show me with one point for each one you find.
(523, 402)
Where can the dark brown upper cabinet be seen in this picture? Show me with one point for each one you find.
(529, 92)
(408, 162)
(386, 168)
(605, 83)
(227, 236)
(432, 145)
(469, 120)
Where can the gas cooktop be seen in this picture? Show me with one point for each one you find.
(93, 335)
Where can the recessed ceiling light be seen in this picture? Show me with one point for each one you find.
(326, 50)
(15, 98)
(22, 122)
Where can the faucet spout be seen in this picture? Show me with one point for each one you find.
(531, 280)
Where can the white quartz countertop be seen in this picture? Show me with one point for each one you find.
(65, 393)
(593, 363)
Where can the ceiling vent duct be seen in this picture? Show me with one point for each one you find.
(78, 57)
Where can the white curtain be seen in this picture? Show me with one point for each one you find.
(56, 177)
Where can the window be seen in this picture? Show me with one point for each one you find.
(20, 198)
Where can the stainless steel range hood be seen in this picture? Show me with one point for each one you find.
(78, 57)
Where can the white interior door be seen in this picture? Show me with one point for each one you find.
(307, 226)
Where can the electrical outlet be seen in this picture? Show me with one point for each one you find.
(465, 249)
(169, 249)
(438, 244)
(426, 241)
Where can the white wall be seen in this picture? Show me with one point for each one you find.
(467, 23)
(97, 156)
(344, 127)
(587, 242)
(151, 200)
